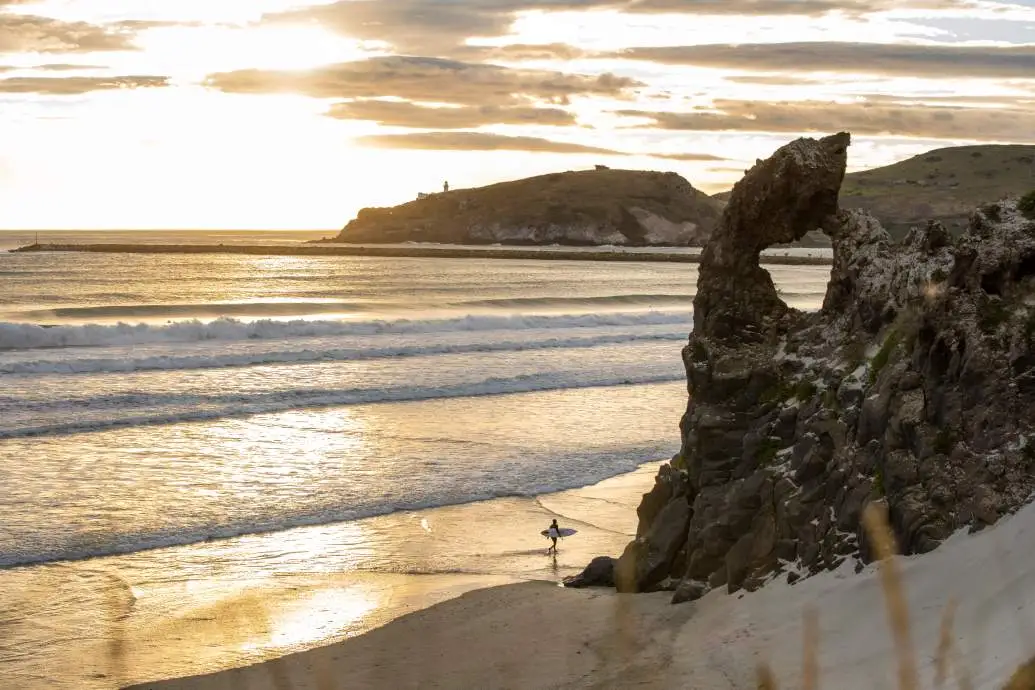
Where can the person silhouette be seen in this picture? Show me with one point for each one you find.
(445, 186)
(554, 533)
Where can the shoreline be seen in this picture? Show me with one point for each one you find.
(535, 635)
(403, 252)
(215, 606)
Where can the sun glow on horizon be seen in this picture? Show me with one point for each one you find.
(130, 130)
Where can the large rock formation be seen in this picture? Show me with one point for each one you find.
(589, 207)
(914, 385)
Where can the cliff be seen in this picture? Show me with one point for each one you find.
(913, 387)
(590, 207)
(942, 184)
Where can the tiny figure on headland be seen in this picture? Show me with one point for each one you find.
(445, 186)
(554, 534)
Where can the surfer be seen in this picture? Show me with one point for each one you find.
(554, 532)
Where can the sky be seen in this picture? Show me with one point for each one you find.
(280, 114)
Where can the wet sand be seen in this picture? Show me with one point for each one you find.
(205, 608)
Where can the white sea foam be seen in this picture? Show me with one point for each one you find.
(22, 335)
(127, 363)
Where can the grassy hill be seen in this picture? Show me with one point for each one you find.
(586, 207)
(944, 184)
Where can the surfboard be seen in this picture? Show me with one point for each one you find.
(565, 532)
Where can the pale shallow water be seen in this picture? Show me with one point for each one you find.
(152, 406)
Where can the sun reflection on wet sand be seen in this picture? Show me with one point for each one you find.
(197, 609)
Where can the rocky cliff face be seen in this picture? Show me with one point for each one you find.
(913, 386)
(591, 207)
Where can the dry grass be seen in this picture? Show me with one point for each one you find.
(1023, 678)
(810, 662)
(943, 657)
(766, 678)
(876, 523)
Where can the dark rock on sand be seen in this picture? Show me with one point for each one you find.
(599, 573)
(913, 386)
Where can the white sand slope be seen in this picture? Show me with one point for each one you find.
(991, 574)
(538, 635)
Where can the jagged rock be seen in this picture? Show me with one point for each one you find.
(914, 385)
(777, 201)
(649, 559)
(689, 590)
(669, 484)
(599, 573)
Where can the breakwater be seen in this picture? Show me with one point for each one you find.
(443, 252)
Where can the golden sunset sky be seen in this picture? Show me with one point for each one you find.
(288, 114)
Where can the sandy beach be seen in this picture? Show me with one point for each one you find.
(531, 635)
(539, 635)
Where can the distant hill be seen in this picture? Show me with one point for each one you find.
(588, 207)
(944, 184)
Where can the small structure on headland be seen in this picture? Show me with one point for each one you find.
(428, 195)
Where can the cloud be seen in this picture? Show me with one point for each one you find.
(75, 86)
(687, 156)
(437, 27)
(872, 119)
(145, 24)
(478, 141)
(772, 79)
(427, 26)
(519, 52)
(404, 114)
(788, 7)
(65, 67)
(425, 79)
(930, 61)
(27, 33)
(1023, 101)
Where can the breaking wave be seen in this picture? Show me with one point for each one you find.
(88, 365)
(27, 336)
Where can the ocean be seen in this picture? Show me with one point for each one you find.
(172, 426)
